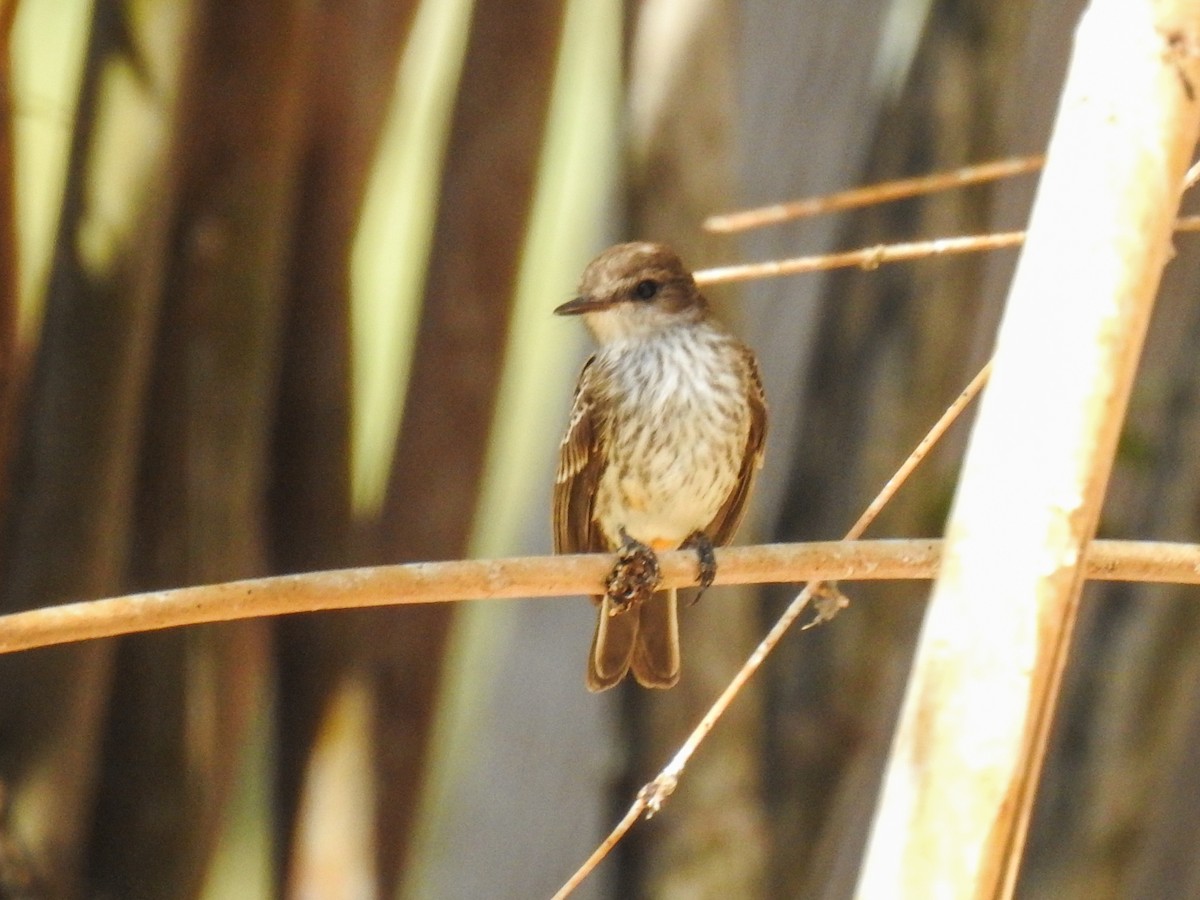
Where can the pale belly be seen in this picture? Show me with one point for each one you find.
(679, 461)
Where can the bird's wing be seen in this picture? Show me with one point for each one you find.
(580, 464)
(721, 529)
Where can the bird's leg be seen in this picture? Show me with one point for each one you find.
(703, 545)
(634, 577)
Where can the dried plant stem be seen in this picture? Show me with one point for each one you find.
(872, 194)
(865, 258)
(878, 255)
(536, 576)
(932, 437)
(437, 582)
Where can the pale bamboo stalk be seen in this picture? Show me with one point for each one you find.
(965, 762)
(533, 576)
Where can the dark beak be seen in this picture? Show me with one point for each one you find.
(581, 305)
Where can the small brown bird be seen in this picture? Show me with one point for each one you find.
(664, 441)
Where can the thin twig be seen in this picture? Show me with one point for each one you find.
(932, 437)
(875, 256)
(865, 258)
(872, 194)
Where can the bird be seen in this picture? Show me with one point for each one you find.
(665, 437)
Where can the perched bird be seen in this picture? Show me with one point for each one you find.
(662, 447)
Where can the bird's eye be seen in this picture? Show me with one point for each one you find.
(646, 289)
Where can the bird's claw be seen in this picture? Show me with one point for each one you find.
(703, 545)
(633, 578)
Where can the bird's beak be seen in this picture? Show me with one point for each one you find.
(581, 305)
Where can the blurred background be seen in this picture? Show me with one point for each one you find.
(275, 293)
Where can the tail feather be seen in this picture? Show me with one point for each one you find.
(612, 647)
(655, 660)
(645, 640)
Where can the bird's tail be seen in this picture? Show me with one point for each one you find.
(645, 639)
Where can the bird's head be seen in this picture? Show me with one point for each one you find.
(635, 291)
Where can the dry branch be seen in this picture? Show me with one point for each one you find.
(870, 195)
(879, 254)
(533, 576)
(863, 258)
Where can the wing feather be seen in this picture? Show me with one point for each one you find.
(721, 529)
(581, 460)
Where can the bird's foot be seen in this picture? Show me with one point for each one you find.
(703, 545)
(634, 577)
